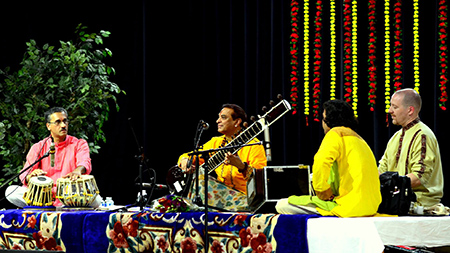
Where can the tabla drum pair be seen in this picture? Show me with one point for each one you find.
(79, 193)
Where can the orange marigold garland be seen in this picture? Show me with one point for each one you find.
(317, 60)
(294, 56)
(372, 57)
(398, 46)
(443, 52)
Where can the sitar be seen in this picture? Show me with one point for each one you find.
(178, 182)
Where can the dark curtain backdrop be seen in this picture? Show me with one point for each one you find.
(179, 61)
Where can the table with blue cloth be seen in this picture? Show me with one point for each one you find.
(100, 231)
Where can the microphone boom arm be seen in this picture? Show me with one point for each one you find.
(24, 170)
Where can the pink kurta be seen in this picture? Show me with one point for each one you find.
(69, 154)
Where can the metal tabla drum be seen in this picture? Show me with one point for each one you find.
(39, 191)
(77, 193)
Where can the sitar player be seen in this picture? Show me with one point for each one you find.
(236, 168)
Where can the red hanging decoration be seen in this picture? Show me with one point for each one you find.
(443, 53)
(347, 16)
(398, 46)
(372, 56)
(317, 60)
(294, 55)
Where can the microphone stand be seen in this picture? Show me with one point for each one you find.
(205, 155)
(197, 199)
(24, 170)
(142, 162)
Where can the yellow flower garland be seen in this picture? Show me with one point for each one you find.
(387, 55)
(306, 55)
(416, 45)
(355, 56)
(333, 49)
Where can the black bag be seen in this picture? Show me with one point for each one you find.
(396, 194)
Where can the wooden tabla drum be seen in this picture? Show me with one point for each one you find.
(79, 193)
(39, 191)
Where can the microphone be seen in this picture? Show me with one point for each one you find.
(267, 141)
(52, 154)
(157, 186)
(204, 125)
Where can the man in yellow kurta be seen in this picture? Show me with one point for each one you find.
(345, 176)
(414, 151)
(236, 168)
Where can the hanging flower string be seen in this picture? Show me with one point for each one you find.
(398, 46)
(347, 51)
(387, 58)
(416, 45)
(294, 55)
(372, 57)
(317, 60)
(332, 49)
(443, 53)
(306, 57)
(355, 57)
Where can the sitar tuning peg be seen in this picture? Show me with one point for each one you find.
(253, 118)
(271, 103)
(264, 109)
(280, 97)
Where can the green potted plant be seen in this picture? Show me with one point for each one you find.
(74, 76)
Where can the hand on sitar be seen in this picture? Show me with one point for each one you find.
(234, 160)
(184, 165)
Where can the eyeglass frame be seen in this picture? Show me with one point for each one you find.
(58, 122)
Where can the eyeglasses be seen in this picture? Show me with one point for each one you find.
(58, 122)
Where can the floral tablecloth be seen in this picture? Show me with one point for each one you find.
(93, 231)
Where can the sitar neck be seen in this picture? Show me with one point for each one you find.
(249, 133)
(243, 138)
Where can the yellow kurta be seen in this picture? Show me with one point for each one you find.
(358, 187)
(254, 156)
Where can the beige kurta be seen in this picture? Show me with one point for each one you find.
(414, 149)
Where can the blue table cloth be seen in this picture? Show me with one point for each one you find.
(99, 231)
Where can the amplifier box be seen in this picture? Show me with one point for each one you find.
(276, 182)
(284, 181)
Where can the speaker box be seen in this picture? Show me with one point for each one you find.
(273, 183)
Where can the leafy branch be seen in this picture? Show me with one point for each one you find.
(74, 76)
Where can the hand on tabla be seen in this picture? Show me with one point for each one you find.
(37, 172)
(74, 175)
